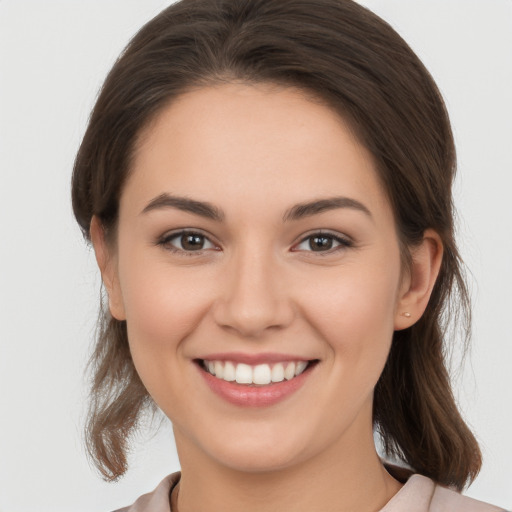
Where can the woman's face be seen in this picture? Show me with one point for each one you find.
(254, 234)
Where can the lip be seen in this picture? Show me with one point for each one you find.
(254, 359)
(243, 395)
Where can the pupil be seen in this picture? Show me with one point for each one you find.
(192, 242)
(319, 243)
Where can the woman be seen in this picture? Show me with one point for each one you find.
(267, 187)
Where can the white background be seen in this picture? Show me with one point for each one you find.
(53, 58)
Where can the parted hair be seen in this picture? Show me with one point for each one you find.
(353, 61)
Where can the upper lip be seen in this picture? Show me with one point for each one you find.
(254, 359)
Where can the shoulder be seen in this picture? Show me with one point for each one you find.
(421, 494)
(446, 500)
(157, 500)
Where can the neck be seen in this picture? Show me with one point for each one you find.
(345, 477)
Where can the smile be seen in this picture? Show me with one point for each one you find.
(255, 385)
(258, 375)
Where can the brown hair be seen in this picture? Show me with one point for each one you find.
(358, 65)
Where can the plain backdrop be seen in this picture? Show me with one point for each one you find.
(53, 58)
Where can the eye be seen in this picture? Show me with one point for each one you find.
(323, 242)
(186, 241)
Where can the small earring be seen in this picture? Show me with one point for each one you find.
(406, 314)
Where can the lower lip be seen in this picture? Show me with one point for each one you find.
(255, 396)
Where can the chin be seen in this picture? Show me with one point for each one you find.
(258, 453)
(257, 461)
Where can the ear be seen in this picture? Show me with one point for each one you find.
(107, 264)
(418, 284)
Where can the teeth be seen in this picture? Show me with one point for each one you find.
(278, 373)
(261, 374)
(219, 369)
(243, 374)
(289, 371)
(229, 371)
(300, 367)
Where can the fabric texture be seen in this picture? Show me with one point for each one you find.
(419, 494)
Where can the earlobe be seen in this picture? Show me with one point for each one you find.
(415, 294)
(108, 268)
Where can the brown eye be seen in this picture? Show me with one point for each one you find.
(323, 242)
(186, 242)
(320, 243)
(192, 242)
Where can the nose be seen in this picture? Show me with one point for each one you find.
(253, 298)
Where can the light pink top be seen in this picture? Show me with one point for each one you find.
(419, 494)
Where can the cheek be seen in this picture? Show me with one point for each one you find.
(159, 313)
(354, 302)
(353, 310)
(159, 298)
(163, 306)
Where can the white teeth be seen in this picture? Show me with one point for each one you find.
(289, 371)
(219, 369)
(278, 373)
(301, 366)
(261, 374)
(243, 374)
(229, 371)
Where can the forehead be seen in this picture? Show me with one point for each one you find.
(262, 142)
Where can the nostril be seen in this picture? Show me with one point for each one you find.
(251, 318)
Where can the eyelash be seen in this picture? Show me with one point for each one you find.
(343, 242)
(165, 241)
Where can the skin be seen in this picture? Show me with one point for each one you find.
(255, 151)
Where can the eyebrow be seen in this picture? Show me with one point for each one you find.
(296, 212)
(301, 210)
(201, 208)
